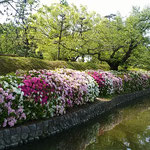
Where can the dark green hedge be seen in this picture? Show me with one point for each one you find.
(11, 64)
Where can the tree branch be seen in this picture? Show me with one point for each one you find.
(128, 53)
(114, 51)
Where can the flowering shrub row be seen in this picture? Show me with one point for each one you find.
(120, 82)
(43, 94)
(135, 81)
(11, 101)
(46, 93)
(108, 83)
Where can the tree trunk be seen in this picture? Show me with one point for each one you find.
(113, 65)
(83, 58)
(58, 53)
(129, 52)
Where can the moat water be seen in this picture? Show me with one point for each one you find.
(126, 128)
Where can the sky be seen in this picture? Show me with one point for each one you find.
(103, 7)
(106, 7)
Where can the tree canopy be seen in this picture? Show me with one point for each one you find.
(65, 32)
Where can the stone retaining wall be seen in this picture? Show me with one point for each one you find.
(15, 136)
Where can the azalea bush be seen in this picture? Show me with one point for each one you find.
(42, 94)
(135, 81)
(108, 83)
(11, 101)
(114, 82)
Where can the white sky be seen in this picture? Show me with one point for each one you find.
(106, 7)
(103, 7)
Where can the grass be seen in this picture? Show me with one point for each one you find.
(11, 64)
(106, 97)
(103, 99)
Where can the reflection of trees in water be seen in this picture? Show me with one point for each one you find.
(133, 131)
(78, 140)
(123, 129)
(74, 139)
(128, 113)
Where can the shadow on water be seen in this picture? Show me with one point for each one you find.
(126, 128)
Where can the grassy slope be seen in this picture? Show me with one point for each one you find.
(11, 64)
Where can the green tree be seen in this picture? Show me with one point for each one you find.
(7, 39)
(53, 26)
(81, 40)
(24, 9)
(19, 27)
(120, 39)
(66, 29)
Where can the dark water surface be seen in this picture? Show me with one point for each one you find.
(123, 129)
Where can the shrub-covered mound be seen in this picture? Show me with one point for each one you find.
(12, 64)
(46, 93)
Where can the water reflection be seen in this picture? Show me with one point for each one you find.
(131, 133)
(124, 129)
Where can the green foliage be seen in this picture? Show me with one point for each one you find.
(64, 2)
(64, 32)
(52, 25)
(15, 38)
(121, 40)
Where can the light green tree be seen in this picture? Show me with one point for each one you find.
(53, 26)
(65, 30)
(121, 39)
(17, 29)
